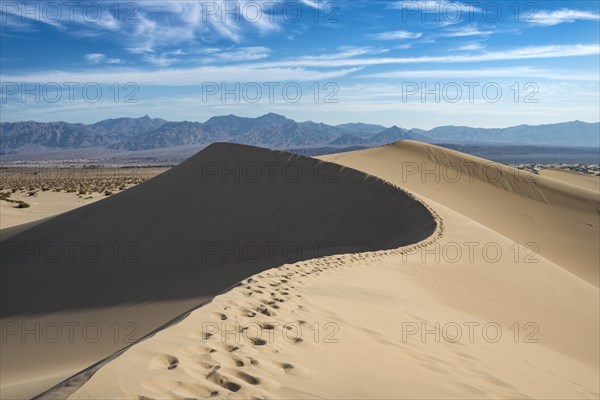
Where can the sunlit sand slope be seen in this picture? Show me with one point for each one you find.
(560, 221)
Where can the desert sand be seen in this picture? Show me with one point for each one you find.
(124, 266)
(591, 182)
(452, 277)
(43, 205)
(50, 191)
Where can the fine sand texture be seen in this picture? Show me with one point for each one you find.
(473, 310)
(82, 285)
(587, 181)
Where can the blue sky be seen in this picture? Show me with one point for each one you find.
(415, 64)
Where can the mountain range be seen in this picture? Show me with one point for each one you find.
(271, 131)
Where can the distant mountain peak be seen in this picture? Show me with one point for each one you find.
(273, 117)
(394, 134)
(361, 130)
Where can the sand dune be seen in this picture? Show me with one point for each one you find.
(559, 220)
(129, 263)
(591, 182)
(388, 320)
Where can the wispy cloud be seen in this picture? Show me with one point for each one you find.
(345, 52)
(344, 62)
(509, 72)
(94, 58)
(241, 54)
(562, 16)
(469, 30)
(184, 76)
(433, 6)
(395, 35)
(311, 3)
(97, 58)
(164, 24)
(14, 24)
(157, 27)
(470, 47)
(520, 53)
(210, 55)
(439, 13)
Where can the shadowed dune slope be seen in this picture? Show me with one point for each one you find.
(556, 219)
(224, 214)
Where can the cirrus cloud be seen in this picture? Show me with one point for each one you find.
(395, 35)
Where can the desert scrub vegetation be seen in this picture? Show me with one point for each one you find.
(5, 196)
(79, 181)
(17, 203)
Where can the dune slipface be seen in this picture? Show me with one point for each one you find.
(233, 205)
(223, 215)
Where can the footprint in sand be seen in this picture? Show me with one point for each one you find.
(223, 381)
(258, 342)
(216, 315)
(248, 378)
(285, 366)
(164, 361)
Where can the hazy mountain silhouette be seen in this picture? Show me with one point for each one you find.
(271, 131)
